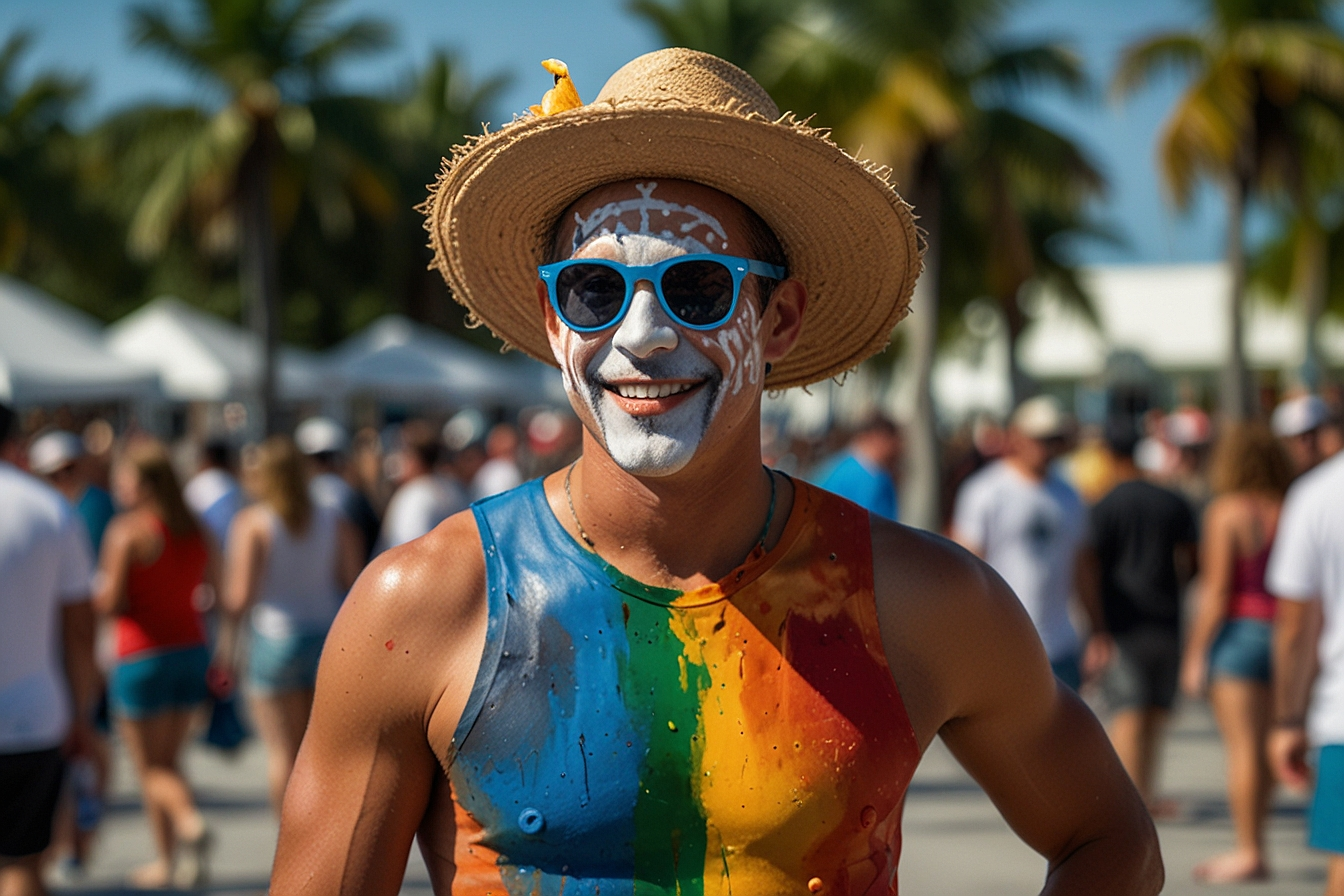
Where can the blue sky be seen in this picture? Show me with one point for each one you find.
(596, 36)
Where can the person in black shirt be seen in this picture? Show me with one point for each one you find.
(1144, 539)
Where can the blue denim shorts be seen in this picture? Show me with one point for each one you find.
(1242, 650)
(163, 681)
(284, 664)
(1326, 820)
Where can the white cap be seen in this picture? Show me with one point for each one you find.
(53, 450)
(1297, 416)
(320, 435)
(1040, 418)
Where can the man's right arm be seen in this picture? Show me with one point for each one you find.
(398, 667)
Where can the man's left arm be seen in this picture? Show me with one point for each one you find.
(972, 669)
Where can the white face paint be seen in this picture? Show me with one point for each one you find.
(647, 351)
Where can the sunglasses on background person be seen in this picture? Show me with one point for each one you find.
(697, 291)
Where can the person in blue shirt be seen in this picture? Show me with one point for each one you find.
(862, 471)
(56, 456)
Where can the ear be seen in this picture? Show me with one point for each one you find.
(783, 321)
(547, 312)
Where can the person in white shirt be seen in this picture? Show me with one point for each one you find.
(325, 442)
(1030, 525)
(1306, 573)
(47, 673)
(500, 473)
(424, 497)
(213, 494)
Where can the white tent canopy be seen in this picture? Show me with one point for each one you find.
(396, 359)
(1175, 316)
(201, 357)
(52, 354)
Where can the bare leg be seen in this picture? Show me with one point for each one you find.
(155, 743)
(22, 876)
(1334, 881)
(1127, 737)
(281, 720)
(1241, 709)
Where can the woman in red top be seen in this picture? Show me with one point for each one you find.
(1229, 646)
(154, 560)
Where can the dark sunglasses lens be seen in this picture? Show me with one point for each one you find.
(699, 292)
(589, 295)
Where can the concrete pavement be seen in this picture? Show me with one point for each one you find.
(955, 842)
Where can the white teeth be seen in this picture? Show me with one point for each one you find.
(649, 390)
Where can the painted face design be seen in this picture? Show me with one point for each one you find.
(650, 389)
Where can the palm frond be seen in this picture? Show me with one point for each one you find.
(1171, 51)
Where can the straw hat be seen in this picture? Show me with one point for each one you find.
(681, 114)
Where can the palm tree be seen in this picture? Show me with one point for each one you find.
(735, 30)
(239, 171)
(1256, 69)
(926, 89)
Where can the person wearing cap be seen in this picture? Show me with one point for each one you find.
(666, 668)
(325, 442)
(1297, 422)
(48, 678)
(57, 457)
(1030, 525)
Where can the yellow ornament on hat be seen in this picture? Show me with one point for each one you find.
(562, 96)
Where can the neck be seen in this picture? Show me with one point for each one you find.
(1124, 469)
(1030, 471)
(680, 531)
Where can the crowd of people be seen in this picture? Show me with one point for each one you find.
(154, 590)
(1145, 555)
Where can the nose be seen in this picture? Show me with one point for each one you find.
(646, 327)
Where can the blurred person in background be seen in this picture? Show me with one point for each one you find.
(1298, 423)
(213, 494)
(1189, 432)
(1306, 573)
(862, 471)
(155, 560)
(1228, 651)
(500, 472)
(289, 563)
(48, 679)
(1144, 539)
(1030, 525)
(58, 457)
(324, 442)
(424, 497)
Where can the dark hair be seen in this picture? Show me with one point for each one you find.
(419, 438)
(217, 453)
(1121, 435)
(7, 418)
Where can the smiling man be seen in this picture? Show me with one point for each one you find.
(668, 668)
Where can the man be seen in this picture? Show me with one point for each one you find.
(666, 668)
(1030, 525)
(424, 497)
(1144, 540)
(324, 442)
(1306, 573)
(862, 472)
(500, 471)
(1297, 422)
(47, 673)
(58, 457)
(213, 494)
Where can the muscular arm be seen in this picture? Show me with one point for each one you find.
(1297, 625)
(397, 668)
(972, 670)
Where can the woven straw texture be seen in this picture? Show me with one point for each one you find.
(682, 114)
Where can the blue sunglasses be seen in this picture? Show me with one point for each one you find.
(696, 291)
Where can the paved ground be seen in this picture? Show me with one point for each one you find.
(955, 842)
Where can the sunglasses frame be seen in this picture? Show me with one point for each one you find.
(632, 274)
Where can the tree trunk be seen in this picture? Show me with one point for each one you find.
(1020, 385)
(921, 490)
(1313, 272)
(257, 269)
(1234, 399)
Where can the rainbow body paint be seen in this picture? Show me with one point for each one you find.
(744, 737)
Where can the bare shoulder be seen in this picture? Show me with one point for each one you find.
(409, 635)
(948, 620)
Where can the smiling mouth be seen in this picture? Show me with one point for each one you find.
(650, 390)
